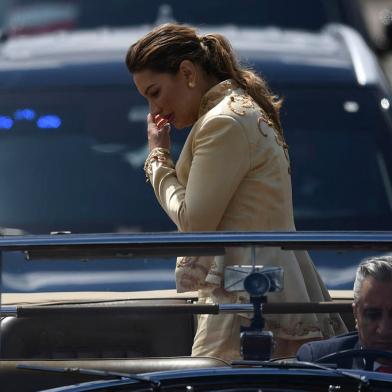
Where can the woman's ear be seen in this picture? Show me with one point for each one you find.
(189, 72)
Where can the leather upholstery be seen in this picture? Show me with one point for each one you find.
(97, 336)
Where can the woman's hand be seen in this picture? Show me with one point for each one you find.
(158, 132)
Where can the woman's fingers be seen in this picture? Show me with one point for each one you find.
(160, 121)
(158, 130)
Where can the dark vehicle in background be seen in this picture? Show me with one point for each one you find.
(37, 16)
(73, 144)
(369, 17)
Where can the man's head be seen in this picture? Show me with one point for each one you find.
(373, 303)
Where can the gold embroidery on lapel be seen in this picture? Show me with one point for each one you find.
(264, 118)
(239, 103)
(278, 139)
(215, 95)
(278, 136)
(259, 121)
(284, 145)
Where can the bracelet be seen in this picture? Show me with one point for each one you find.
(157, 154)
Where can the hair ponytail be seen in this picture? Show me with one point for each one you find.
(220, 60)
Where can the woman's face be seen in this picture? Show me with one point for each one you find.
(174, 97)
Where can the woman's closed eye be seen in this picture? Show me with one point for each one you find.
(154, 94)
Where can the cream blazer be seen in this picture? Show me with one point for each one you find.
(233, 174)
(233, 171)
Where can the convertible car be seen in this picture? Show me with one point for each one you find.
(130, 340)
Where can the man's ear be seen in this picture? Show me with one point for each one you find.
(188, 71)
(355, 312)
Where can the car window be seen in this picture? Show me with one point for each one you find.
(79, 159)
(72, 160)
(341, 169)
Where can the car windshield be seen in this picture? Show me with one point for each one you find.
(72, 160)
(34, 16)
(79, 156)
(341, 168)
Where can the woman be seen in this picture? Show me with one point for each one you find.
(233, 174)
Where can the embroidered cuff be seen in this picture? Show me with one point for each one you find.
(158, 154)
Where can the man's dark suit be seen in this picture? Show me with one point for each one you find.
(312, 351)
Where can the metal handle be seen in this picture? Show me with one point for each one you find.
(115, 309)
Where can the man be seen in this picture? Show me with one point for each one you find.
(372, 309)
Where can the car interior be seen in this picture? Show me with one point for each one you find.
(50, 333)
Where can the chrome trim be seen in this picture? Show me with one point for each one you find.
(235, 308)
(311, 239)
(8, 311)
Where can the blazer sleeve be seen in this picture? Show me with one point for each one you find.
(305, 353)
(221, 159)
(313, 351)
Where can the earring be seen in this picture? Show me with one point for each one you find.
(191, 84)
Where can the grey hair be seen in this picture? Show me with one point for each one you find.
(379, 268)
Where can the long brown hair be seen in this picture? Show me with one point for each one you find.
(165, 47)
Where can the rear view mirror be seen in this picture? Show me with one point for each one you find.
(256, 280)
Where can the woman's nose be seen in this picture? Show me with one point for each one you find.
(154, 109)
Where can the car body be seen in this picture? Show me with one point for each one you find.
(38, 16)
(72, 140)
(248, 379)
(81, 340)
(371, 18)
